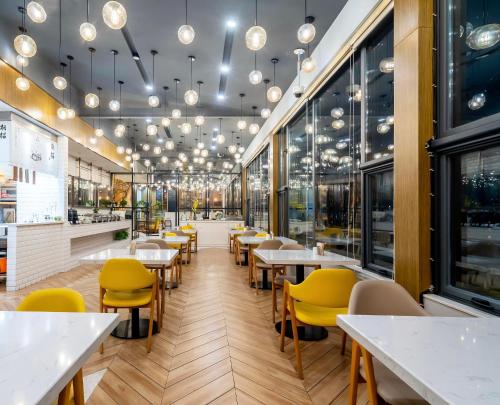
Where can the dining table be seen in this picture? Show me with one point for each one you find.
(446, 360)
(157, 259)
(41, 352)
(300, 259)
(183, 240)
(252, 241)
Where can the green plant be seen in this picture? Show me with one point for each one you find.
(123, 203)
(104, 203)
(121, 235)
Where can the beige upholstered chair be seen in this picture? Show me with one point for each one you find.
(175, 269)
(257, 264)
(374, 297)
(239, 249)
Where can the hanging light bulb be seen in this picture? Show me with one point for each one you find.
(151, 130)
(91, 100)
(337, 112)
(386, 65)
(71, 113)
(136, 156)
(306, 33)
(146, 147)
(128, 151)
(204, 153)
(253, 128)
(309, 128)
(114, 15)
(483, 37)
(164, 159)
(191, 97)
(390, 119)
(153, 101)
(255, 77)
(120, 150)
(169, 145)
(383, 128)
(99, 132)
(62, 113)
(196, 152)
(308, 64)
(477, 101)
(241, 124)
(59, 83)
(147, 162)
(199, 120)
(186, 34)
(128, 158)
(274, 94)
(22, 61)
(220, 139)
(36, 12)
(338, 124)
(88, 31)
(176, 113)
(157, 150)
(25, 45)
(232, 149)
(255, 38)
(265, 112)
(22, 83)
(165, 122)
(186, 128)
(114, 105)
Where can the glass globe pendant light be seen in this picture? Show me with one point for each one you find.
(484, 37)
(70, 111)
(91, 99)
(165, 121)
(254, 128)
(153, 100)
(232, 149)
(114, 104)
(120, 150)
(169, 145)
(120, 128)
(383, 128)
(255, 76)
(25, 45)
(151, 130)
(386, 65)
(114, 15)
(60, 82)
(274, 93)
(204, 153)
(199, 120)
(164, 159)
(186, 32)
(191, 96)
(22, 83)
(338, 124)
(220, 139)
(265, 112)
(308, 64)
(128, 151)
(176, 112)
(36, 12)
(306, 31)
(241, 124)
(146, 147)
(477, 101)
(98, 131)
(186, 128)
(87, 29)
(22, 61)
(157, 150)
(337, 112)
(256, 36)
(62, 113)
(136, 156)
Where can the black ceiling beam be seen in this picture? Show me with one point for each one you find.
(135, 55)
(226, 58)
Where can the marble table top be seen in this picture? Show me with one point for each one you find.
(445, 360)
(305, 257)
(255, 240)
(189, 231)
(168, 239)
(240, 231)
(145, 256)
(40, 352)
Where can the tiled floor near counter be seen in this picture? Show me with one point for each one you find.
(218, 345)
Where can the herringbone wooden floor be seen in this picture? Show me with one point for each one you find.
(218, 345)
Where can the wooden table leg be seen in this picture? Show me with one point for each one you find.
(370, 376)
(163, 284)
(78, 388)
(354, 379)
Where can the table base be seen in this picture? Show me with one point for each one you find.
(306, 333)
(125, 330)
(167, 285)
(262, 286)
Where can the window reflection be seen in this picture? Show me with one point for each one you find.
(258, 191)
(476, 222)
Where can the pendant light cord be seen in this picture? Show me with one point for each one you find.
(70, 83)
(60, 29)
(91, 69)
(176, 102)
(255, 12)
(88, 10)
(255, 60)
(186, 3)
(305, 10)
(274, 73)
(114, 75)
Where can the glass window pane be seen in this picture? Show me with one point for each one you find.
(476, 222)
(473, 59)
(381, 238)
(379, 82)
(258, 191)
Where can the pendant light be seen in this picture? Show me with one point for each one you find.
(220, 139)
(199, 120)
(255, 76)
(186, 126)
(114, 15)
(120, 150)
(241, 124)
(309, 63)
(191, 96)
(307, 31)
(165, 121)
(114, 104)
(254, 128)
(70, 111)
(298, 89)
(59, 81)
(164, 159)
(87, 29)
(146, 147)
(21, 61)
(62, 112)
(265, 112)
(232, 149)
(99, 131)
(120, 128)
(241, 149)
(256, 36)
(23, 43)
(477, 101)
(386, 65)
(153, 100)
(176, 112)
(36, 12)
(91, 99)
(274, 93)
(151, 130)
(22, 83)
(186, 32)
(169, 145)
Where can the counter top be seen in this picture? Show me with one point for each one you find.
(211, 220)
(36, 223)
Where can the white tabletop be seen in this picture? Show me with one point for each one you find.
(240, 231)
(255, 240)
(145, 256)
(168, 239)
(40, 352)
(305, 257)
(445, 360)
(189, 231)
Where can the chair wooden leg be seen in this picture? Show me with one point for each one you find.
(344, 341)
(283, 321)
(273, 293)
(64, 395)
(163, 288)
(370, 376)
(298, 356)
(171, 281)
(101, 309)
(151, 316)
(354, 379)
(78, 388)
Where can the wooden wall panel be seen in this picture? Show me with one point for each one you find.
(274, 174)
(42, 107)
(413, 128)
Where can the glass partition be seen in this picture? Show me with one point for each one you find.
(258, 191)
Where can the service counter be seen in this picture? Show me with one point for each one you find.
(213, 233)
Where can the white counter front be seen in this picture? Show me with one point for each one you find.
(213, 233)
(37, 251)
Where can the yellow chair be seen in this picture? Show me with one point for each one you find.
(178, 260)
(126, 283)
(261, 235)
(193, 236)
(316, 301)
(59, 300)
(233, 236)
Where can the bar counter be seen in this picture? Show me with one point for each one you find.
(213, 233)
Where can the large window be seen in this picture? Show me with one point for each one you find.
(466, 154)
(258, 191)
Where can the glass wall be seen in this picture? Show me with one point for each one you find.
(257, 203)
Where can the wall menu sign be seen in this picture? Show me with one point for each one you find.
(26, 146)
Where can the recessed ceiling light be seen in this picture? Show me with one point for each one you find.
(148, 120)
(221, 96)
(149, 87)
(224, 68)
(213, 147)
(231, 23)
(215, 129)
(135, 56)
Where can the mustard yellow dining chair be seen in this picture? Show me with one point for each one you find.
(59, 300)
(126, 283)
(239, 249)
(233, 236)
(193, 236)
(257, 264)
(316, 301)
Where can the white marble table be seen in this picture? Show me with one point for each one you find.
(256, 240)
(40, 352)
(445, 360)
(148, 257)
(169, 239)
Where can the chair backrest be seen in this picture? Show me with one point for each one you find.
(292, 246)
(170, 234)
(125, 274)
(178, 233)
(272, 244)
(184, 227)
(53, 300)
(261, 234)
(159, 242)
(147, 245)
(379, 297)
(249, 233)
(326, 287)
